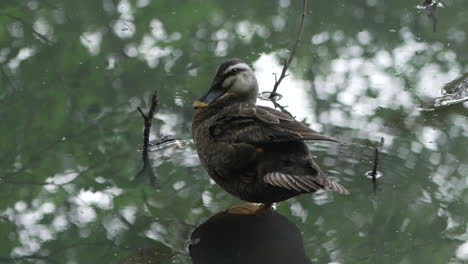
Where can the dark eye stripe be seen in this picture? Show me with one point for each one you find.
(233, 72)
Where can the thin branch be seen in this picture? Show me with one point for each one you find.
(293, 51)
(378, 149)
(148, 120)
(282, 108)
(31, 27)
(142, 114)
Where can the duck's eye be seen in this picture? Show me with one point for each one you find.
(234, 70)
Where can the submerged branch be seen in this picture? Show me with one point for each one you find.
(378, 149)
(431, 7)
(148, 120)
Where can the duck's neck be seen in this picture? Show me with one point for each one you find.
(230, 99)
(215, 107)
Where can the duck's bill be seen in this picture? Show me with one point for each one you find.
(208, 98)
(199, 104)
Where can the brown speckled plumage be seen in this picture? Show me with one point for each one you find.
(256, 153)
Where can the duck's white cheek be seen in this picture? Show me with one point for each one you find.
(241, 83)
(228, 81)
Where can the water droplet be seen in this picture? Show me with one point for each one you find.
(266, 96)
(165, 142)
(378, 174)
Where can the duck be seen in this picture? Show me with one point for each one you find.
(255, 153)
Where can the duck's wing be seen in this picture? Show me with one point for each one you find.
(245, 123)
(253, 124)
(303, 184)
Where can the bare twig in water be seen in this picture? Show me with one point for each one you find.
(431, 7)
(288, 61)
(433, 17)
(378, 149)
(282, 108)
(293, 51)
(148, 119)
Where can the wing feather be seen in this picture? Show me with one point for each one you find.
(290, 181)
(332, 185)
(283, 181)
(303, 183)
(253, 124)
(310, 183)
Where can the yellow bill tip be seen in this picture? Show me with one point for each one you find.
(199, 104)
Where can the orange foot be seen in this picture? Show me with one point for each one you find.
(249, 209)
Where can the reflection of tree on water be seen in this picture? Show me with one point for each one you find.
(265, 238)
(69, 127)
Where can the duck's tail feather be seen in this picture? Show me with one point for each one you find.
(331, 185)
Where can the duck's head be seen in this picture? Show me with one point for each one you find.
(233, 78)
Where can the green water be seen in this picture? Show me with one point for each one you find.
(73, 73)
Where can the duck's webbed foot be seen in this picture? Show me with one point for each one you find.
(249, 208)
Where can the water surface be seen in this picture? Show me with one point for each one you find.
(73, 72)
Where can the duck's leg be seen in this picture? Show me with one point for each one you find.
(249, 208)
